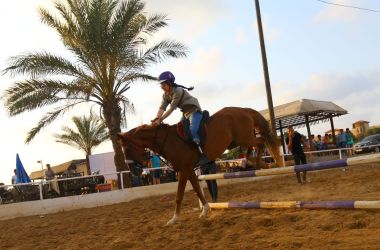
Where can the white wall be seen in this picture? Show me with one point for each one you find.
(49, 206)
(104, 163)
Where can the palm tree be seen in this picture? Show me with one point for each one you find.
(108, 41)
(90, 132)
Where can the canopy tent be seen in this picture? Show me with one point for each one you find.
(21, 175)
(303, 113)
(74, 165)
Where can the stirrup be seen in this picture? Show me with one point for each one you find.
(203, 160)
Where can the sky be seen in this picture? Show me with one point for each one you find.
(314, 51)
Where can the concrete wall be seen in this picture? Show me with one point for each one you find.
(48, 206)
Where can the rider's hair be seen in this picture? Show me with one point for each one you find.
(181, 86)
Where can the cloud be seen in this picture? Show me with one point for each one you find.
(203, 63)
(358, 93)
(271, 34)
(333, 14)
(240, 36)
(203, 15)
(207, 61)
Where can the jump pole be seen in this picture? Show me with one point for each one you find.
(365, 159)
(299, 204)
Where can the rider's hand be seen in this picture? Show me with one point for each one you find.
(156, 121)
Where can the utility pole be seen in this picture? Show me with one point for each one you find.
(265, 68)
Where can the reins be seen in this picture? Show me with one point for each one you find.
(155, 144)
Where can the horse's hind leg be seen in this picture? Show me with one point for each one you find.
(197, 188)
(182, 179)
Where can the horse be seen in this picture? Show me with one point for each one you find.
(226, 129)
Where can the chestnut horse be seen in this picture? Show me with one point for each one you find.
(228, 128)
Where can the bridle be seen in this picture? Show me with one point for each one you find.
(155, 141)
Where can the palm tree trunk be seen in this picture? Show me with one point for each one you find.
(112, 117)
(88, 164)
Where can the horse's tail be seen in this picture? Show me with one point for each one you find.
(269, 136)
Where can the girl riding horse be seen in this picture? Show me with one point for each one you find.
(228, 128)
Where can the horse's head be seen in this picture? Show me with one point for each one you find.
(132, 148)
(135, 142)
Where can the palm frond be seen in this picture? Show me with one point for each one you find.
(90, 132)
(46, 120)
(41, 64)
(31, 94)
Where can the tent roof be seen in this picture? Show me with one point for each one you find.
(59, 169)
(294, 113)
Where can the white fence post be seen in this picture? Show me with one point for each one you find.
(40, 187)
(121, 180)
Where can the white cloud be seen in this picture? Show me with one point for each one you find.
(240, 36)
(207, 61)
(190, 18)
(332, 13)
(358, 93)
(271, 34)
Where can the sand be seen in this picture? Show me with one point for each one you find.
(140, 224)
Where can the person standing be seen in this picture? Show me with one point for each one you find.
(155, 163)
(49, 174)
(295, 142)
(211, 184)
(342, 139)
(349, 141)
(14, 177)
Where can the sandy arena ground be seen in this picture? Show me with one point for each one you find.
(140, 224)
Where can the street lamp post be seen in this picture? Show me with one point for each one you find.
(42, 168)
(42, 165)
(265, 68)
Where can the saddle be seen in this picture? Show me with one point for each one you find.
(183, 128)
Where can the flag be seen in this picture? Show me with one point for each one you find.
(21, 175)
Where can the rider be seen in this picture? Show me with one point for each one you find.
(177, 96)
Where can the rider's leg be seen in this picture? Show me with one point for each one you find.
(195, 119)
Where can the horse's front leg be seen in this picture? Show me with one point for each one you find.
(259, 161)
(197, 188)
(182, 179)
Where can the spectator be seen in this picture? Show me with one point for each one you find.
(313, 143)
(14, 177)
(49, 174)
(330, 144)
(145, 176)
(349, 141)
(342, 139)
(295, 142)
(320, 143)
(212, 186)
(155, 163)
(326, 140)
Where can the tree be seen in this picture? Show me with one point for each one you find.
(108, 41)
(372, 131)
(90, 132)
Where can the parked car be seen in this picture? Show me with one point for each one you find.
(368, 144)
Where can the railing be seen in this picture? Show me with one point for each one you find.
(46, 189)
(38, 190)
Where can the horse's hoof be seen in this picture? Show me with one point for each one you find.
(205, 210)
(172, 221)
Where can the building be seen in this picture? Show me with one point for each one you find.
(359, 128)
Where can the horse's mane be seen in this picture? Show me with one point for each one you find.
(147, 127)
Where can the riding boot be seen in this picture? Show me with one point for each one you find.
(203, 160)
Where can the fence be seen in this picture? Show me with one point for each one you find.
(45, 189)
